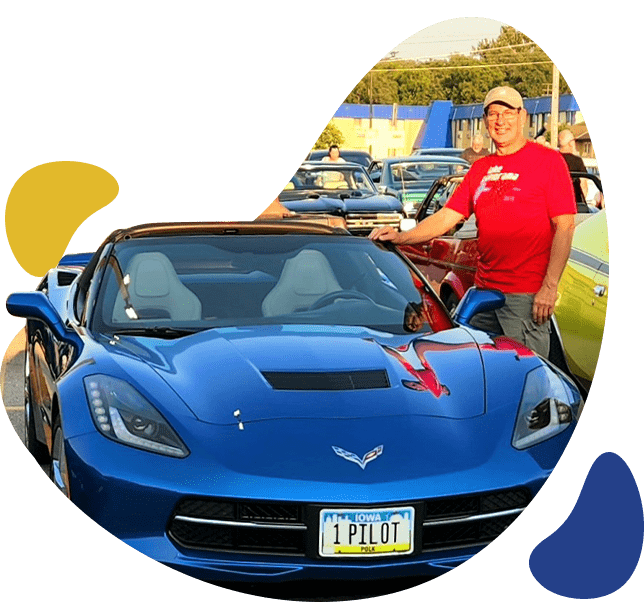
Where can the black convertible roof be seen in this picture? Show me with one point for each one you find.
(260, 227)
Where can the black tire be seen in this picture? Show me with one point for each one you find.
(58, 464)
(37, 449)
(451, 301)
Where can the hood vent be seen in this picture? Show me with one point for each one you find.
(328, 381)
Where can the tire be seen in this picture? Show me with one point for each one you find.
(451, 302)
(37, 449)
(58, 466)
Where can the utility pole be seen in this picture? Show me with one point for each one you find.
(370, 99)
(554, 108)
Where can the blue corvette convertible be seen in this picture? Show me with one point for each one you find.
(272, 401)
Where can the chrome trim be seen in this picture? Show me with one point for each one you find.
(467, 519)
(232, 523)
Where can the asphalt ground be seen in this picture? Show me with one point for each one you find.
(12, 388)
(11, 383)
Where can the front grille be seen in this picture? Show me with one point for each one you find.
(368, 221)
(467, 533)
(243, 526)
(328, 381)
(471, 520)
(286, 528)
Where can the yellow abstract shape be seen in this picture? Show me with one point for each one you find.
(48, 204)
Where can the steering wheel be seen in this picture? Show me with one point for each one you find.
(331, 297)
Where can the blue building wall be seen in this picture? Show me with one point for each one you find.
(439, 117)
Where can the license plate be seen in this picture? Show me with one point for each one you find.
(378, 532)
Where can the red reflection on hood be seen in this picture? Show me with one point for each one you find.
(503, 343)
(425, 378)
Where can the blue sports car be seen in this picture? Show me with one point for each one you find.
(273, 401)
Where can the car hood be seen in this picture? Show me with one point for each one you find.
(338, 206)
(286, 372)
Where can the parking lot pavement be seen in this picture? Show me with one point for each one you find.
(11, 382)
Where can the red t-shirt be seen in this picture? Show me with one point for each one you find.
(514, 198)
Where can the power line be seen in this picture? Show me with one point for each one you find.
(471, 53)
(486, 66)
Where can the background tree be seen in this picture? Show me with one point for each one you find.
(512, 59)
(329, 136)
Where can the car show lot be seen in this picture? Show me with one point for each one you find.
(254, 390)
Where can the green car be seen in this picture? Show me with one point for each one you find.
(580, 310)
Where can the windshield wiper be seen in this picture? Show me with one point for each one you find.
(161, 332)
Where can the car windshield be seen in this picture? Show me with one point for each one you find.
(325, 179)
(412, 174)
(202, 282)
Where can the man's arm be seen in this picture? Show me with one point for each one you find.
(435, 225)
(544, 301)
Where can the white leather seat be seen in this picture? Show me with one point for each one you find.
(305, 278)
(154, 285)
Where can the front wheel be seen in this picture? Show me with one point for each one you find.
(58, 467)
(37, 449)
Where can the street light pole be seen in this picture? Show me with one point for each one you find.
(554, 108)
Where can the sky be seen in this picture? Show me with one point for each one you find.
(448, 37)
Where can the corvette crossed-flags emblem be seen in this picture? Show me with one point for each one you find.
(361, 462)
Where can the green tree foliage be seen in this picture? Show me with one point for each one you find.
(461, 79)
(331, 135)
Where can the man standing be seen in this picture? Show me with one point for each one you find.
(524, 205)
(574, 162)
(476, 151)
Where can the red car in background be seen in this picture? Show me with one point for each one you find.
(449, 261)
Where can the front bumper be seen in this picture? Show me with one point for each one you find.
(134, 495)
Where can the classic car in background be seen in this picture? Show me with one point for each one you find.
(582, 296)
(449, 264)
(411, 177)
(341, 189)
(352, 156)
(445, 152)
(269, 401)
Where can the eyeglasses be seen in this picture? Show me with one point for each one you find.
(507, 115)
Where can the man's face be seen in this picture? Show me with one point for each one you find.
(334, 153)
(504, 124)
(565, 145)
(477, 144)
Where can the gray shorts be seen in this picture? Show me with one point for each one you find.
(514, 320)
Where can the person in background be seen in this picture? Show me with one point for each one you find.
(334, 155)
(476, 151)
(524, 204)
(542, 141)
(568, 151)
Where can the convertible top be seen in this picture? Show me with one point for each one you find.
(262, 227)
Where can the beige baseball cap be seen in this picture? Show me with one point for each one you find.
(505, 95)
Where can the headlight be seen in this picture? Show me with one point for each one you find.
(121, 413)
(408, 208)
(548, 407)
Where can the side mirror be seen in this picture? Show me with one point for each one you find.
(475, 301)
(36, 306)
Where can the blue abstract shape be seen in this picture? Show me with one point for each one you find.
(596, 550)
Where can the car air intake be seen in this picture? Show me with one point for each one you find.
(328, 381)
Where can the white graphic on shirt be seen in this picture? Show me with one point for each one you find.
(496, 181)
